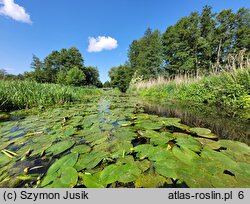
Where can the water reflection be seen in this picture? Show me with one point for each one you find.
(202, 116)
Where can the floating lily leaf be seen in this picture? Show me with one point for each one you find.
(168, 167)
(224, 181)
(99, 141)
(81, 149)
(125, 173)
(124, 123)
(162, 139)
(242, 181)
(175, 122)
(143, 165)
(149, 133)
(128, 173)
(124, 134)
(185, 155)
(67, 161)
(181, 135)
(235, 146)
(120, 148)
(220, 160)
(151, 152)
(59, 147)
(92, 181)
(90, 160)
(69, 176)
(149, 125)
(171, 121)
(61, 174)
(151, 181)
(209, 143)
(69, 131)
(128, 159)
(189, 143)
(203, 132)
(194, 177)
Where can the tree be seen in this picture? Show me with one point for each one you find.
(205, 43)
(181, 45)
(92, 75)
(242, 30)
(3, 73)
(145, 54)
(56, 62)
(120, 77)
(106, 84)
(38, 72)
(75, 77)
(224, 33)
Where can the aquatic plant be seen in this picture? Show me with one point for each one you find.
(114, 144)
(27, 94)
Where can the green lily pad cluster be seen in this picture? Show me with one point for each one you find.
(112, 143)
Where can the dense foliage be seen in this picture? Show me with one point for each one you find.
(27, 94)
(64, 67)
(198, 43)
(228, 90)
(120, 77)
(61, 67)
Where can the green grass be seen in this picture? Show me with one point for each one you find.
(25, 94)
(228, 90)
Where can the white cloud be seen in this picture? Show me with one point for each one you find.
(10, 9)
(101, 43)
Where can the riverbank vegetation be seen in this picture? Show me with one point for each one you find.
(204, 57)
(197, 45)
(28, 94)
(228, 90)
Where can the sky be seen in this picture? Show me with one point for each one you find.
(101, 29)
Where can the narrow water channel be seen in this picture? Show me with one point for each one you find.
(202, 116)
(120, 141)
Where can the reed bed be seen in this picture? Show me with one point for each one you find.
(27, 94)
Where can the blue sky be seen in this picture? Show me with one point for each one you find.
(46, 25)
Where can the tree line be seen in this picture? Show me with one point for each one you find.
(196, 43)
(64, 67)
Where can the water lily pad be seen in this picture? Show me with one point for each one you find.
(92, 181)
(147, 125)
(149, 133)
(81, 149)
(151, 152)
(151, 181)
(186, 155)
(124, 123)
(220, 160)
(235, 146)
(90, 160)
(209, 143)
(175, 122)
(168, 167)
(203, 132)
(181, 135)
(69, 176)
(59, 147)
(162, 139)
(66, 161)
(69, 131)
(124, 134)
(124, 173)
(189, 143)
(61, 173)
